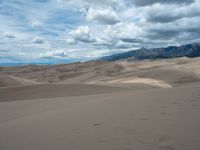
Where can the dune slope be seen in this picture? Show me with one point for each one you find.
(124, 105)
(52, 91)
(159, 119)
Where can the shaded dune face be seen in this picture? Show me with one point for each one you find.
(9, 81)
(39, 91)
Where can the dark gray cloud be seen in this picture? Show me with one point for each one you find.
(131, 40)
(161, 34)
(162, 17)
(9, 35)
(168, 13)
(167, 24)
(150, 2)
(38, 41)
(179, 32)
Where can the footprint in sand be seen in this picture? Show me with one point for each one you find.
(192, 100)
(175, 103)
(132, 130)
(165, 143)
(103, 141)
(166, 147)
(163, 113)
(96, 124)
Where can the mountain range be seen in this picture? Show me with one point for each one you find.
(189, 50)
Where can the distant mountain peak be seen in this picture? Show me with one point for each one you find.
(189, 50)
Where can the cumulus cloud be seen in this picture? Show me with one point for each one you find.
(105, 16)
(71, 41)
(123, 31)
(55, 54)
(171, 13)
(82, 34)
(185, 30)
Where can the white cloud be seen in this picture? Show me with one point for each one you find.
(55, 54)
(105, 16)
(82, 34)
(123, 30)
(71, 41)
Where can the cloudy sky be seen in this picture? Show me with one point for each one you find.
(50, 31)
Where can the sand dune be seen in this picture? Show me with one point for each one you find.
(161, 119)
(171, 71)
(124, 105)
(8, 80)
(131, 81)
(52, 91)
(151, 82)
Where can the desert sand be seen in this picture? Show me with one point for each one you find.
(123, 105)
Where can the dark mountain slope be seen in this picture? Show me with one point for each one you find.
(190, 50)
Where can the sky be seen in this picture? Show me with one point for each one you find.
(57, 31)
